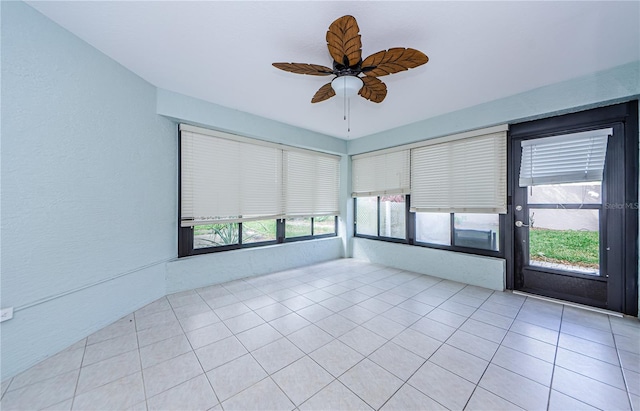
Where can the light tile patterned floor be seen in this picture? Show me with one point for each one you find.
(343, 335)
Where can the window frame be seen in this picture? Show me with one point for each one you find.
(378, 236)
(186, 234)
(410, 220)
(309, 237)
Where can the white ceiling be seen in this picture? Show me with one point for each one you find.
(221, 51)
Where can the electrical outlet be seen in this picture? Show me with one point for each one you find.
(6, 314)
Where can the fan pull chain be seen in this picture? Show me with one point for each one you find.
(344, 104)
(349, 116)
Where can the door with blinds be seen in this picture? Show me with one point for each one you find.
(574, 213)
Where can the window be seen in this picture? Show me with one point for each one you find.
(383, 216)
(216, 235)
(309, 227)
(447, 193)
(393, 217)
(563, 175)
(324, 225)
(388, 217)
(380, 173)
(464, 175)
(229, 234)
(239, 192)
(433, 228)
(366, 219)
(297, 227)
(568, 158)
(476, 231)
(259, 231)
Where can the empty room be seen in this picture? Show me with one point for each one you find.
(319, 205)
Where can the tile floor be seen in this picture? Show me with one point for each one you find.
(343, 335)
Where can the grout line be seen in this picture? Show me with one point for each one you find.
(494, 354)
(555, 356)
(624, 375)
(312, 277)
(75, 389)
(144, 388)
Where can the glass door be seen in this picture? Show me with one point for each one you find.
(559, 221)
(574, 207)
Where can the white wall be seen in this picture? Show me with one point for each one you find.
(88, 189)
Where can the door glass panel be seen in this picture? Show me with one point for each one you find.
(565, 239)
(577, 193)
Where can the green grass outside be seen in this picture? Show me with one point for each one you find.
(257, 231)
(580, 248)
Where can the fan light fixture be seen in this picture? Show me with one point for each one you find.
(347, 86)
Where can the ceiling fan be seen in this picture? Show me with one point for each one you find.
(352, 73)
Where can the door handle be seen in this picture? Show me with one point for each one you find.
(521, 224)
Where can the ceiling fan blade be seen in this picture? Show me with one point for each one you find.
(325, 93)
(344, 42)
(303, 68)
(373, 89)
(393, 61)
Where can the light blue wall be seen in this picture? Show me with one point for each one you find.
(190, 110)
(88, 189)
(612, 86)
(485, 272)
(198, 271)
(89, 186)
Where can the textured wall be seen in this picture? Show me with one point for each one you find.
(477, 270)
(89, 197)
(198, 271)
(88, 189)
(191, 110)
(615, 85)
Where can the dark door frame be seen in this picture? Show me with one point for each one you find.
(622, 294)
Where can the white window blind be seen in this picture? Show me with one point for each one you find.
(227, 178)
(224, 180)
(466, 175)
(569, 158)
(311, 184)
(380, 174)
